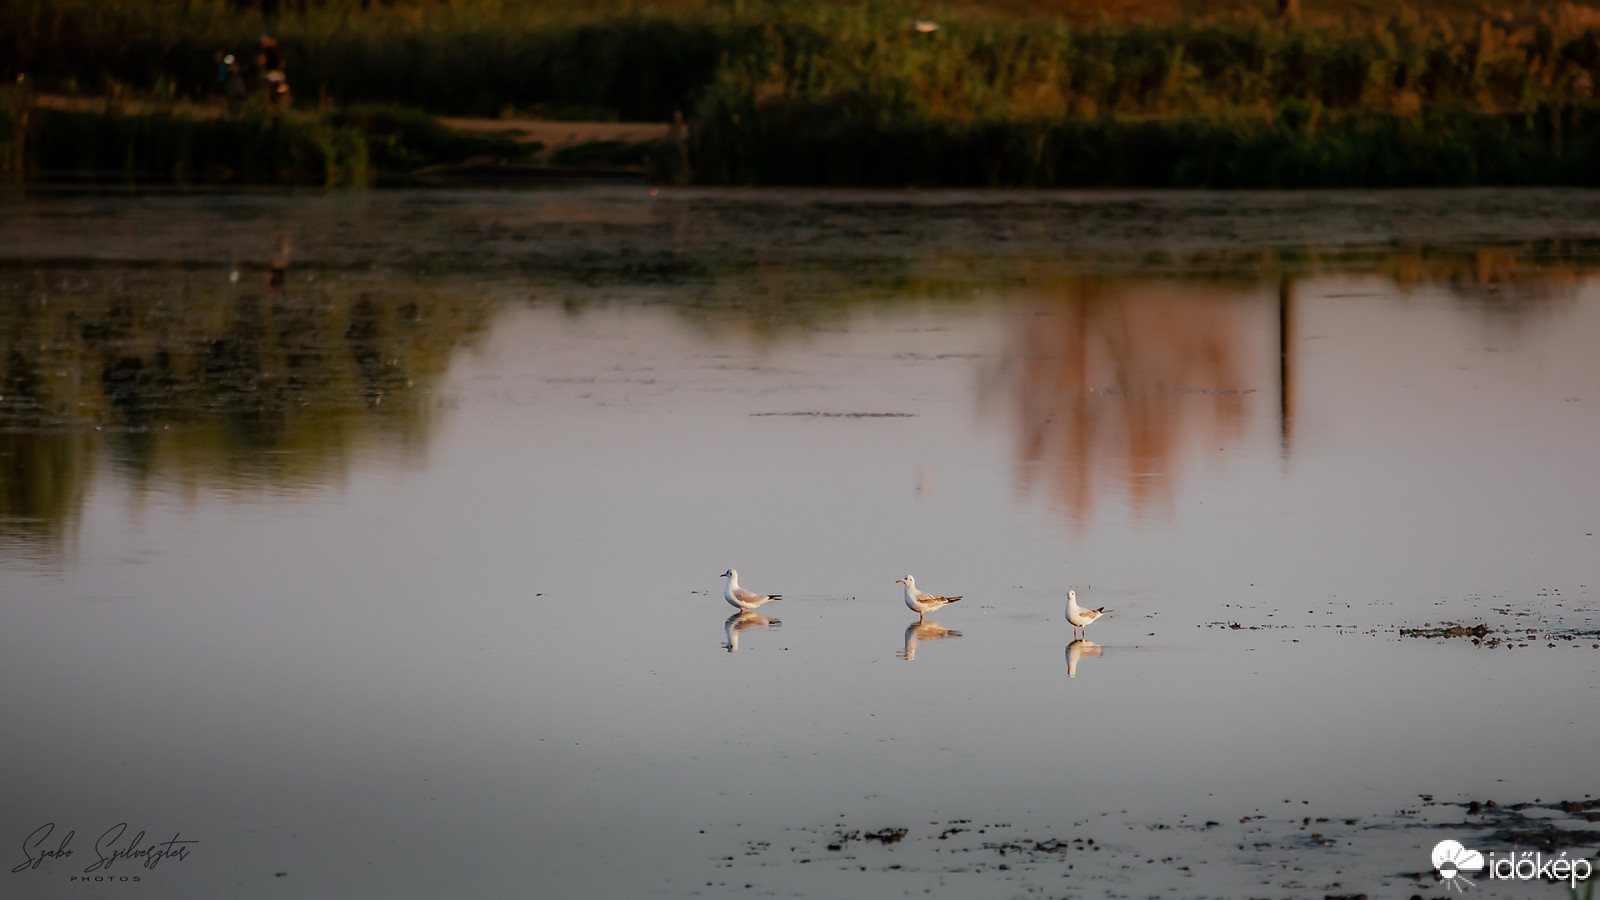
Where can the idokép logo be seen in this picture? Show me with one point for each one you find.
(1453, 861)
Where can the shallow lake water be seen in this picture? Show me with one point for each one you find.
(368, 544)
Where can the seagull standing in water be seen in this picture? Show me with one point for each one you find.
(922, 603)
(1078, 616)
(739, 598)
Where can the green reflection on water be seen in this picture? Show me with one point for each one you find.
(186, 380)
(179, 378)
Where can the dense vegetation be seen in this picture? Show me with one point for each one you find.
(780, 92)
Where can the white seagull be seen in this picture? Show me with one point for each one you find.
(922, 603)
(739, 598)
(1078, 616)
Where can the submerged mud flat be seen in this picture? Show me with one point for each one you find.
(1290, 851)
(380, 534)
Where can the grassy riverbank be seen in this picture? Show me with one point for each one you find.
(1144, 93)
(292, 148)
(155, 142)
(1296, 146)
(477, 57)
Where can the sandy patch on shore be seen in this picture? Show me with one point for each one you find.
(553, 135)
(556, 135)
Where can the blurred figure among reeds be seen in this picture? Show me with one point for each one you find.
(230, 84)
(272, 72)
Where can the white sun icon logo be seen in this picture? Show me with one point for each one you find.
(1451, 859)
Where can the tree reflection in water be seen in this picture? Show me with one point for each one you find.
(1110, 382)
(182, 379)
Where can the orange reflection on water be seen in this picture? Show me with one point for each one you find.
(1111, 382)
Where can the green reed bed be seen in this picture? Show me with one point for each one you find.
(458, 59)
(482, 57)
(287, 148)
(801, 93)
(1299, 146)
(15, 107)
(1242, 105)
(258, 145)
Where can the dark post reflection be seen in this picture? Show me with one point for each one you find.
(1285, 363)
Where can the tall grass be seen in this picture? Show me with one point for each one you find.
(461, 61)
(483, 57)
(1297, 146)
(790, 92)
(256, 146)
(15, 106)
(291, 148)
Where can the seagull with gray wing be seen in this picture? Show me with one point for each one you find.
(1079, 616)
(739, 598)
(922, 602)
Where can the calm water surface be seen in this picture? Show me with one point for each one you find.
(371, 541)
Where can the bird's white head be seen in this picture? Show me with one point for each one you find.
(1073, 596)
(731, 573)
(908, 581)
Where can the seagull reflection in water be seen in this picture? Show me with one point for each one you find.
(1078, 650)
(922, 631)
(738, 622)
